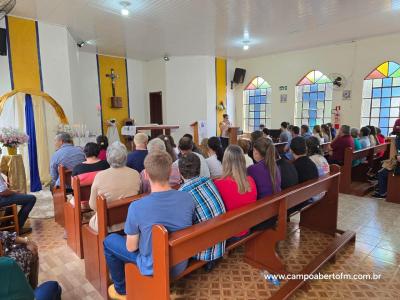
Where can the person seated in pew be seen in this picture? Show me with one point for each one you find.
(173, 145)
(66, 154)
(326, 133)
(203, 147)
(87, 170)
(306, 168)
(339, 144)
(186, 146)
(295, 131)
(289, 176)
(102, 141)
(354, 132)
(136, 157)
(168, 147)
(115, 183)
(215, 155)
(265, 171)
(175, 177)
(195, 149)
(285, 135)
(208, 202)
(245, 145)
(14, 285)
(255, 135)
(317, 133)
(26, 201)
(24, 252)
(381, 140)
(373, 136)
(332, 129)
(235, 187)
(305, 131)
(164, 206)
(315, 153)
(364, 137)
(266, 133)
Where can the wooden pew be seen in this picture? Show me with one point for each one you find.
(354, 180)
(73, 216)
(393, 188)
(60, 194)
(6, 218)
(260, 246)
(108, 214)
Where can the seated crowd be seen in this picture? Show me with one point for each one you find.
(185, 185)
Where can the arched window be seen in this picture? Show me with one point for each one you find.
(381, 97)
(256, 105)
(313, 99)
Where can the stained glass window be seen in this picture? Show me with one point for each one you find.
(313, 99)
(256, 105)
(381, 97)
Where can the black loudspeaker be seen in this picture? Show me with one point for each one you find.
(3, 42)
(238, 77)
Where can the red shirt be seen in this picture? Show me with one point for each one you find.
(339, 145)
(228, 190)
(381, 140)
(102, 155)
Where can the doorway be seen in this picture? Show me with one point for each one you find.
(156, 112)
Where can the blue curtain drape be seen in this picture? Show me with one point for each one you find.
(32, 148)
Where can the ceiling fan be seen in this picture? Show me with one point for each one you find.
(5, 7)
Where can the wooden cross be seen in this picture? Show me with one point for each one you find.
(112, 76)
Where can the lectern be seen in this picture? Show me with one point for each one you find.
(233, 133)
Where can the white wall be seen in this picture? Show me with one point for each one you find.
(190, 92)
(89, 97)
(137, 96)
(154, 81)
(55, 60)
(354, 60)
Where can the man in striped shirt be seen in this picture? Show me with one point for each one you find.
(208, 202)
(66, 154)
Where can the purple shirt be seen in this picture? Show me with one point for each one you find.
(260, 173)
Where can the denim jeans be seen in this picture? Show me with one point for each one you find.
(49, 290)
(26, 201)
(116, 256)
(383, 181)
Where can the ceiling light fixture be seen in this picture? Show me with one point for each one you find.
(124, 9)
(246, 45)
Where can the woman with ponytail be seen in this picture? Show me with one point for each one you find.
(102, 141)
(265, 172)
(169, 147)
(215, 155)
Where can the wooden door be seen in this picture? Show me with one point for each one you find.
(156, 112)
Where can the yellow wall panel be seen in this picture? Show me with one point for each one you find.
(220, 78)
(105, 64)
(24, 53)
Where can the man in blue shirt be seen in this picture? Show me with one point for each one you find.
(208, 202)
(66, 154)
(305, 131)
(165, 206)
(136, 158)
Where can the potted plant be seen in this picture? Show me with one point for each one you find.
(12, 138)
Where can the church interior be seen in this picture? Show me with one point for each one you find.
(276, 119)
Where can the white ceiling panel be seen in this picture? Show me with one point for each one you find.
(215, 27)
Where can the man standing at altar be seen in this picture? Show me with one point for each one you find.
(66, 154)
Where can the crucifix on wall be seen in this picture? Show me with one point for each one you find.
(116, 102)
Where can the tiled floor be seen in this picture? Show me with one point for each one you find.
(377, 250)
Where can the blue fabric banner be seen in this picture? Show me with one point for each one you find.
(36, 185)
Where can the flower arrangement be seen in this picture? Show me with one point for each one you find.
(11, 137)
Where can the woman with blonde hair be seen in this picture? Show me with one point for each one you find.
(235, 187)
(265, 172)
(318, 133)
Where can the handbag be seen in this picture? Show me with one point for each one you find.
(389, 164)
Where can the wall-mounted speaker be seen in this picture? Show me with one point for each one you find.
(3, 42)
(238, 77)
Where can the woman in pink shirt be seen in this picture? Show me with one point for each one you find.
(235, 187)
(102, 141)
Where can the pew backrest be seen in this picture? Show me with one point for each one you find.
(185, 243)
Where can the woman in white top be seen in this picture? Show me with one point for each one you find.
(314, 152)
(318, 134)
(215, 155)
(245, 145)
